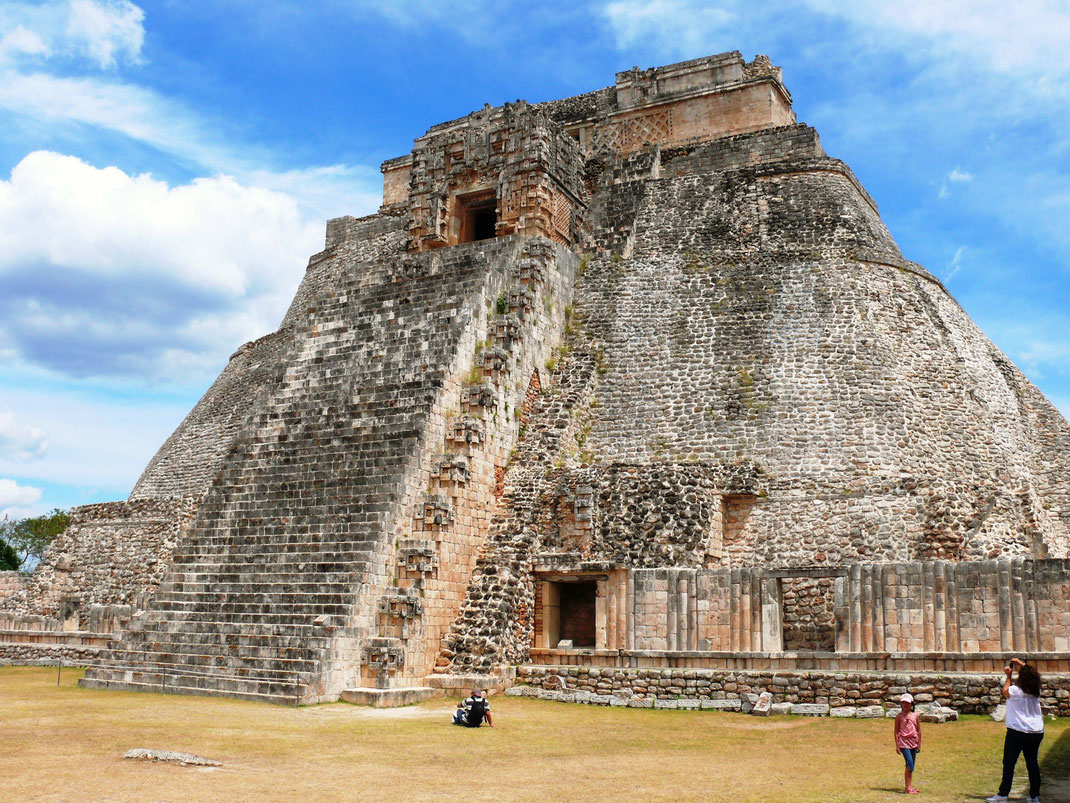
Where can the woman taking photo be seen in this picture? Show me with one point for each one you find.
(1025, 729)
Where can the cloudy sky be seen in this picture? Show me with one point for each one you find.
(166, 169)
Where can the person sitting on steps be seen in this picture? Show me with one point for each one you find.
(471, 711)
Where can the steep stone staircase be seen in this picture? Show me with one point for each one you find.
(260, 597)
(482, 425)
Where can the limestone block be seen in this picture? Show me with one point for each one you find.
(670, 704)
(939, 714)
(763, 705)
(844, 712)
(779, 709)
(999, 713)
(810, 709)
(869, 712)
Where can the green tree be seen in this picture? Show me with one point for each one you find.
(31, 537)
(9, 558)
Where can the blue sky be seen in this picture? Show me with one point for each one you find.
(166, 169)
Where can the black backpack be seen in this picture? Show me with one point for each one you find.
(476, 712)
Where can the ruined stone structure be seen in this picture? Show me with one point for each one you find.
(613, 389)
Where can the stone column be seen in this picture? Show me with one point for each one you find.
(755, 610)
(772, 613)
(841, 607)
(622, 609)
(735, 602)
(928, 611)
(853, 589)
(631, 610)
(877, 645)
(683, 613)
(865, 593)
(611, 612)
(692, 609)
(1006, 639)
(672, 622)
(1017, 606)
(940, 606)
(600, 615)
(1029, 590)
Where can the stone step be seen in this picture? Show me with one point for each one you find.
(275, 592)
(206, 661)
(270, 623)
(116, 679)
(252, 641)
(310, 589)
(229, 610)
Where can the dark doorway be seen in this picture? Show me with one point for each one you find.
(479, 218)
(577, 613)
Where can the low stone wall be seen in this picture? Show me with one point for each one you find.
(969, 694)
(31, 654)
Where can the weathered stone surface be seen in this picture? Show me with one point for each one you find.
(188, 759)
(939, 714)
(780, 709)
(763, 705)
(810, 709)
(869, 712)
(999, 713)
(844, 712)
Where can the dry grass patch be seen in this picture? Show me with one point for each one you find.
(66, 743)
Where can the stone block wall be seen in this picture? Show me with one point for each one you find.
(966, 693)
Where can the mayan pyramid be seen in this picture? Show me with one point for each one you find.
(635, 379)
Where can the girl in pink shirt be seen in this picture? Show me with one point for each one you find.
(908, 740)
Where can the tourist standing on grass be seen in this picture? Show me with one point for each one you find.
(908, 740)
(1025, 728)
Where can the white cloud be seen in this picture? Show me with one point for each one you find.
(107, 29)
(959, 175)
(145, 116)
(672, 26)
(21, 41)
(16, 500)
(107, 273)
(100, 32)
(20, 442)
(955, 265)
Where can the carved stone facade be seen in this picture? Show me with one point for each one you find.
(628, 382)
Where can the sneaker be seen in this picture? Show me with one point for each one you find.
(997, 799)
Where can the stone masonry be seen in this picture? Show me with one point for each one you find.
(619, 386)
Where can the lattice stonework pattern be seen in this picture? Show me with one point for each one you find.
(632, 133)
(562, 222)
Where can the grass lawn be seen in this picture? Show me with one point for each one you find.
(67, 743)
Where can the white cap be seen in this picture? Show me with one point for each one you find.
(907, 698)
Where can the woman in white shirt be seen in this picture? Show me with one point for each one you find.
(1025, 729)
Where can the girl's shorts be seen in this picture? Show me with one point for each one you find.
(909, 756)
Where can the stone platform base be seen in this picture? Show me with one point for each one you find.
(727, 689)
(461, 685)
(389, 698)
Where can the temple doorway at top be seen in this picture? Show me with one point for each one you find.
(476, 216)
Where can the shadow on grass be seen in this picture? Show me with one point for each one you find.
(1055, 769)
